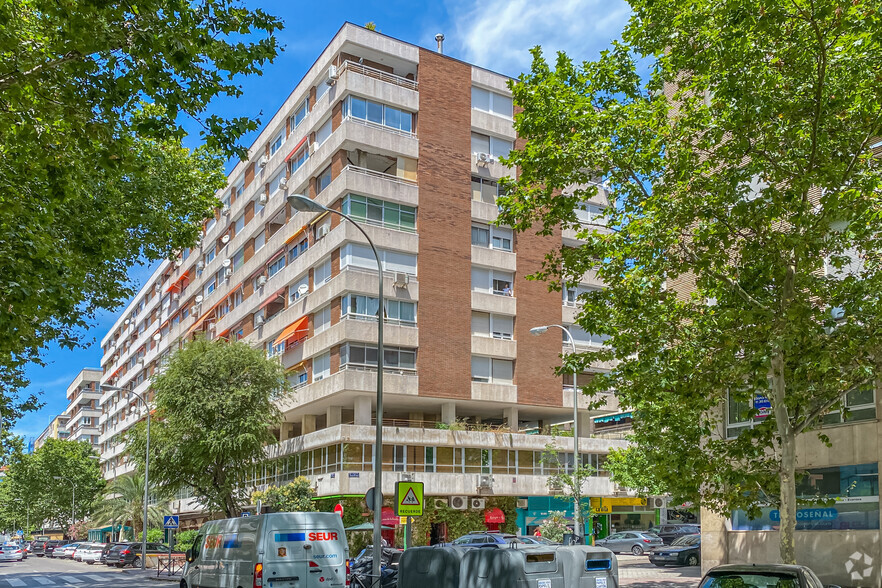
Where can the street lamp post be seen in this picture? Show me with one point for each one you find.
(305, 204)
(577, 498)
(146, 473)
(73, 495)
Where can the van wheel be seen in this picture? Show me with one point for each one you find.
(637, 550)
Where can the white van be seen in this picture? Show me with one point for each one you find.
(277, 550)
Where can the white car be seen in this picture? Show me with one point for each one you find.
(67, 551)
(11, 552)
(90, 553)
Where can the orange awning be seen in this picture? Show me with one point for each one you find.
(201, 319)
(301, 325)
(182, 277)
(271, 298)
(296, 147)
(296, 234)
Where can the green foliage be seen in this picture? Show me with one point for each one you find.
(93, 181)
(460, 522)
(635, 467)
(295, 496)
(555, 526)
(123, 504)
(214, 414)
(30, 490)
(568, 485)
(155, 535)
(371, 26)
(79, 530)
(184, 539)
(743, 182)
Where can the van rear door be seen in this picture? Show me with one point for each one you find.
(304, 558)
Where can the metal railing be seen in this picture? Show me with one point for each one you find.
(381, 175)
(379, 75)
(380, 127)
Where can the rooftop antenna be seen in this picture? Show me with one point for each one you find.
(440, 38)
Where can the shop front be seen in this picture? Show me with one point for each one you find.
(540, 507)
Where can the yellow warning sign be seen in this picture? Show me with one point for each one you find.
(409, 499)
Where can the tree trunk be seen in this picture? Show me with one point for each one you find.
(787, 467)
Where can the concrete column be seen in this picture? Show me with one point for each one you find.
(448, 413)
(308, 423)
(586, 424)
(286, 432)
(510, 414)
(335, 415)
(363, 407)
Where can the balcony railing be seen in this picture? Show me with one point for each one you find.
(380, 127)
(377, 174)
(379, 75)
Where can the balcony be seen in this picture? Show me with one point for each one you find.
(494, 303)
(495, 258)
(350, 382)
(363, 70)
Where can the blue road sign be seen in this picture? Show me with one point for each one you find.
(246, 514)
(170, 522)
(19, 532)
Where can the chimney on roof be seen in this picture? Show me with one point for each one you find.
(440, 38)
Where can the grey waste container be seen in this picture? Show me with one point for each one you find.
(517, 568)
(588, 567)
(431, 567)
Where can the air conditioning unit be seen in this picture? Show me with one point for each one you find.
(259, 320)
(178, 263)
(657, 502)
(228, 272)
(312, 148)
(157, 288)
(226, 210)
(483, 158)
(283, 183)
(200, 265)
(261, 281)
(176, 296)
(262, 198)
(523, 503)
(264, 161)
(459, 502)
(485, 481)
(322, 230)
(401, 280)
(333, 75)
(441, 502)
(477, 503)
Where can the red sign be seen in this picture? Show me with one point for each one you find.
(323, 536)
(494, 515)
(389, 517)
(339, 509)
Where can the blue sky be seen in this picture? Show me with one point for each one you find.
(496, 34)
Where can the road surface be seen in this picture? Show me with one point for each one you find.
(42, 572)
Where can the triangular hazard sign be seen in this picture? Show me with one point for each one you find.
(410, 498)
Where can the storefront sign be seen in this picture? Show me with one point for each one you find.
(809, 514)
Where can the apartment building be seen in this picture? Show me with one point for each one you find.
(406, 141)
(83, 409)
(56, 429)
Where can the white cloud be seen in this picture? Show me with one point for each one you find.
(498, 34)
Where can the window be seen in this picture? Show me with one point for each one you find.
(492, 237)
(297, 248)
(238, 258)
(298, 379)
(860, 405)
(583, 338)
(210, 285)
(323, 133)
(485, 190)
(571, 294)
(276, 143)
(258, 206)
(239, 224)
(299, 158)
(259, 241)
(362, 256)
(321, 366)
(491, 102)
(492, 281)
(273, 350)
(321, 320)
(492, 370)
(380, 212)
(396, 358)
(294, 288)
(300, 114)
(210, 225)
(323, 180)
(321, 89)
(400, 311)
(276, 266)
(590, 213)
(493, 145)
(239, 186)
(322, 273)
(377, 113)
(365, 307)
(498, 326)
(276, 183)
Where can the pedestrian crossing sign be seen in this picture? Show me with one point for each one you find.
(409, 499)
(170, 522)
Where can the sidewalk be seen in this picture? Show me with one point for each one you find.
(150, 574)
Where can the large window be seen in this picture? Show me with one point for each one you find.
(297, 249)
(377, 113)
(323, 133)
(492, 237)
(294, 288)
(276, 266)
(498, 326)
(590, 213)
(491, 102)
(394, 358)
(571, 294)
(300, 114)
(860, 405)
(259, 241)
(485, 190)
(322, 273)
(321, 366)
(380, 212)
(323, 180)
(492, 145)
(275, 184)
(583, 338)
(321, 320)
(362, 256)
(492, 281)
(299, 158)
(365, 307)
(239, 224)
(491, 370)
(276, 143)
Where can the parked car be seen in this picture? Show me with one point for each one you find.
(90, 553)
(123, 554)
(670, 532)
(81, 550)
(51, 546)
(37, 547)
(761, 575)
(12, 552)
(66, 552)
(534, 540)
(106, 550)
(27, 546)
(480, 538)
(635, 542)
(684, 551)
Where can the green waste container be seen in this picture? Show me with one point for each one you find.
(437, 566)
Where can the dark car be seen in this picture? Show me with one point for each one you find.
(123, 554)
(481, 538)
(684, 551)
(669, 533)
(37, 547)
(106, 550)
(778, 575)
(51, 546)
(635, 542)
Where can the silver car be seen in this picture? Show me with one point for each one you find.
(635, 542)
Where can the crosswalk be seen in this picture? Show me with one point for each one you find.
(66, 580)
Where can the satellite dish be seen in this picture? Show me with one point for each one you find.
(225, 239)
(302, 289)
(127, 321)
(227, 263)
(157, 337)
(199, 299)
